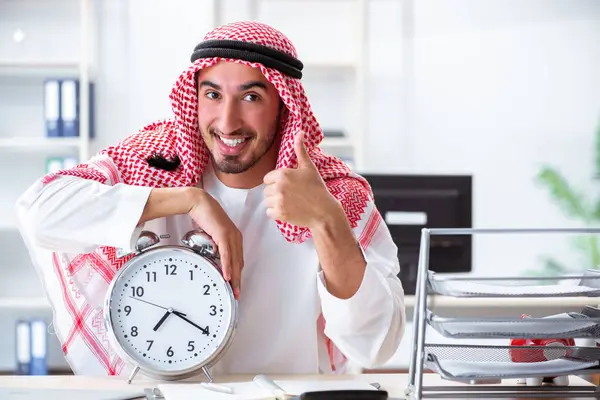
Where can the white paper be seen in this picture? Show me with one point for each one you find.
(69, 394)
(560, 324)
(194, 391)
(250, 391)
(466, 369)
(470, 287)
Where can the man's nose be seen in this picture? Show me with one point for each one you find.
(229, 119)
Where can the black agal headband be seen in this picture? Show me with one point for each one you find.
(250, 52)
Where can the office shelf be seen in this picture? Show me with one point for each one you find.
(39, 68)
(22, 303)
(58, 66)
(336, 142)
(557, 358)
(14, 143)
(59, 44)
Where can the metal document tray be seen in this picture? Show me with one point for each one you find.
(558, 326)
(518, 286)
(468, 362)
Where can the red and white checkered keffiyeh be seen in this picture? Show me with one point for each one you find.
(86, 276)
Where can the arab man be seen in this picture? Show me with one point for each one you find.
(309, 258)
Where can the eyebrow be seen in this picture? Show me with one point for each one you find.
(242, 87)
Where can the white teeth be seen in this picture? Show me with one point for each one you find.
(232, 142)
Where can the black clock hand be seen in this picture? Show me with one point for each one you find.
(182, 316)
(162, 320)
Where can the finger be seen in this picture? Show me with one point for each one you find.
(270, 190)
(271, 201)
(225, 256)
(273, 213)
(304, 160)
(237, 265)
(271, 177)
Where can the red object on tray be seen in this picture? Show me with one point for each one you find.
(537, 354)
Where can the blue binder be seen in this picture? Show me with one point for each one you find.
(22, 348)
(38, 348)
(68, 108)
(52, 107)
(71, 108)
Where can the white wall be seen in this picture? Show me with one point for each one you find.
(491, 88)
(500, 88)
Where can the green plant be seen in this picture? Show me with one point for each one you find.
(576, 205)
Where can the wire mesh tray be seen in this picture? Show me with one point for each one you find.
(464, 362)
(566, 325)
(557, 286)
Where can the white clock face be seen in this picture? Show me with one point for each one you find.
(171, 310)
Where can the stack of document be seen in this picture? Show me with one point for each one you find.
(251, 391)
(70, 394)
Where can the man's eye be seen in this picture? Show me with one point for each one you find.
(212, 95)
(251, 97)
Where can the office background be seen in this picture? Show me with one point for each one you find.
(494, 90)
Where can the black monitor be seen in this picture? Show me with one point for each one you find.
(409, 203)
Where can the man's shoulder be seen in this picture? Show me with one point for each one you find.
(156, 137)
(155, 134)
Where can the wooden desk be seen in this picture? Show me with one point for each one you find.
(394, 384)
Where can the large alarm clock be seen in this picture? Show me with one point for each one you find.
(169, 312)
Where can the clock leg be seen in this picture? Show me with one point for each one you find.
(207, 373)
(133, 374)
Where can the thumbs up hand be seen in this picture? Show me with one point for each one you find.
(298, 195)
(304, 161)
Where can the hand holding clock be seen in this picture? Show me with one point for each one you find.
(210, 217)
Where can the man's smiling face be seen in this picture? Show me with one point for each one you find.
(238, 116)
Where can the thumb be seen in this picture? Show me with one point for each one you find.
(303, 158)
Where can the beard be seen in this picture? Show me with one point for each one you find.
(237, 164)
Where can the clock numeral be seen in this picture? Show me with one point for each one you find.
(170, 352)
(150, 345)
(171, 269)
(191, 345)
(206, 331)
(191, 275)
(206, 290)
(137, 291)
(134, 331)
(151, 276)
(213, 310)
(127, 310)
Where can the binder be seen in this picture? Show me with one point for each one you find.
(23, 348)
(68, 108)
(38, 348)
(52, 107)
(71, 108)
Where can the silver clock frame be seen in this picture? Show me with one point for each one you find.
(198, 244)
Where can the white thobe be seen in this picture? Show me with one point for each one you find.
(283, 290)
